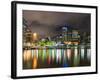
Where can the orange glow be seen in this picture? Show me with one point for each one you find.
(34, 64)
(35, 36)
(68, 42)
(27, 55)
(76, 43)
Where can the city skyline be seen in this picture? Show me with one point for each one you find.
(55, 39)
(45, 22)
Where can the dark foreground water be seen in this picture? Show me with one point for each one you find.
(54, 57)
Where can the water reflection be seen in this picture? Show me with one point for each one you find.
(82, 53)
(88, 54)
(27, 58)
(68, 53)
(76, 57)
(55, 57)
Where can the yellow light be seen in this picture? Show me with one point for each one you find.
(68, 42)
(76, 43)
(27, 55)
(35, 36)
(34, 64)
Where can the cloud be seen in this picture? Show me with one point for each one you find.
(46, 22)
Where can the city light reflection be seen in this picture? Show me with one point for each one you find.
(45, 57)
(69, 52)
(34, 62)
(27, 55)
(88, 54)
(55, 39)
(76, 57)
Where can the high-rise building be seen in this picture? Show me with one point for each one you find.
(27, 35)
(70, 35)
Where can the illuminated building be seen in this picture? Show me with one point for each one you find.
(71, 36)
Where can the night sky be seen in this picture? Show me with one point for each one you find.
(49, 23)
